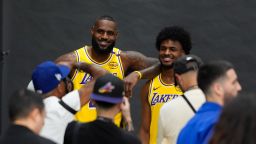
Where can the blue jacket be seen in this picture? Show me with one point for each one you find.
(197, 129)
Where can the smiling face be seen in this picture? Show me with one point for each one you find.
(104, 35)
(169, 51)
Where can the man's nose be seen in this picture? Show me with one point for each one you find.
(104, 35)
(239, 87)
(167, 52)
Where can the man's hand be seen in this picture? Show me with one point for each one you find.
(125, 108)
(129, 82)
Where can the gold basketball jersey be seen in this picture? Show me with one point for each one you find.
(158, 94)
(113, 64)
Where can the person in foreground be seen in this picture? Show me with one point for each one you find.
(176, 113)
(237, 122)
(109, 100)
(218, 80)
(26, 112)
(61, 101)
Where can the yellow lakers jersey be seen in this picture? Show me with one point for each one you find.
(113, 64)
(158, 94)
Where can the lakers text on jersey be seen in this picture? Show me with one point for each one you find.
(158, 94)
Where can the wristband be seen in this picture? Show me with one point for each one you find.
(140, 75)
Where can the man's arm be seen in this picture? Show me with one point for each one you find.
(140, 64)
(146, 115)
(126, 112)
(131, 80)
(85, 92)
(136, 61)
(94, 70)
(69, 60)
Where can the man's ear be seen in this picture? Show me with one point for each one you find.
(218, 89)
(92, 30)
(69, 86)
(34, 114)
(37, 117)
(177, 77)
(61, 88)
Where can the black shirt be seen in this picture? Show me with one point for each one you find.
(98, 132)
(17, 134)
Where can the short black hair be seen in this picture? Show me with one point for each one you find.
(22, 102)
(105, 17)
(175, 33)
(212, 72)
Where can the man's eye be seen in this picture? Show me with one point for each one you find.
(110, 33)
(100, 31)
(162, 48)
(173, 49)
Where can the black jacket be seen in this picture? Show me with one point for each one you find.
(17, 134)
(98, 132)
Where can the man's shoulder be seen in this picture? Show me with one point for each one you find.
(83, 47)
(28, 140)
(80, 51)
(196, 97)
(123, 54)
(72, 99)
(199, 121)
(173, 110)
(195, 94)
(23, 137)
(200, 128)
(51, 102)
(130, 54)
(33, 138)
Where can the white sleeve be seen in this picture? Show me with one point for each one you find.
(72, 99)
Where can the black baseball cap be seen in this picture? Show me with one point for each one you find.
(187, 63)
(108, 88)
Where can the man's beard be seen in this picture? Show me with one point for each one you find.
(228, 99)
(99, 50)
